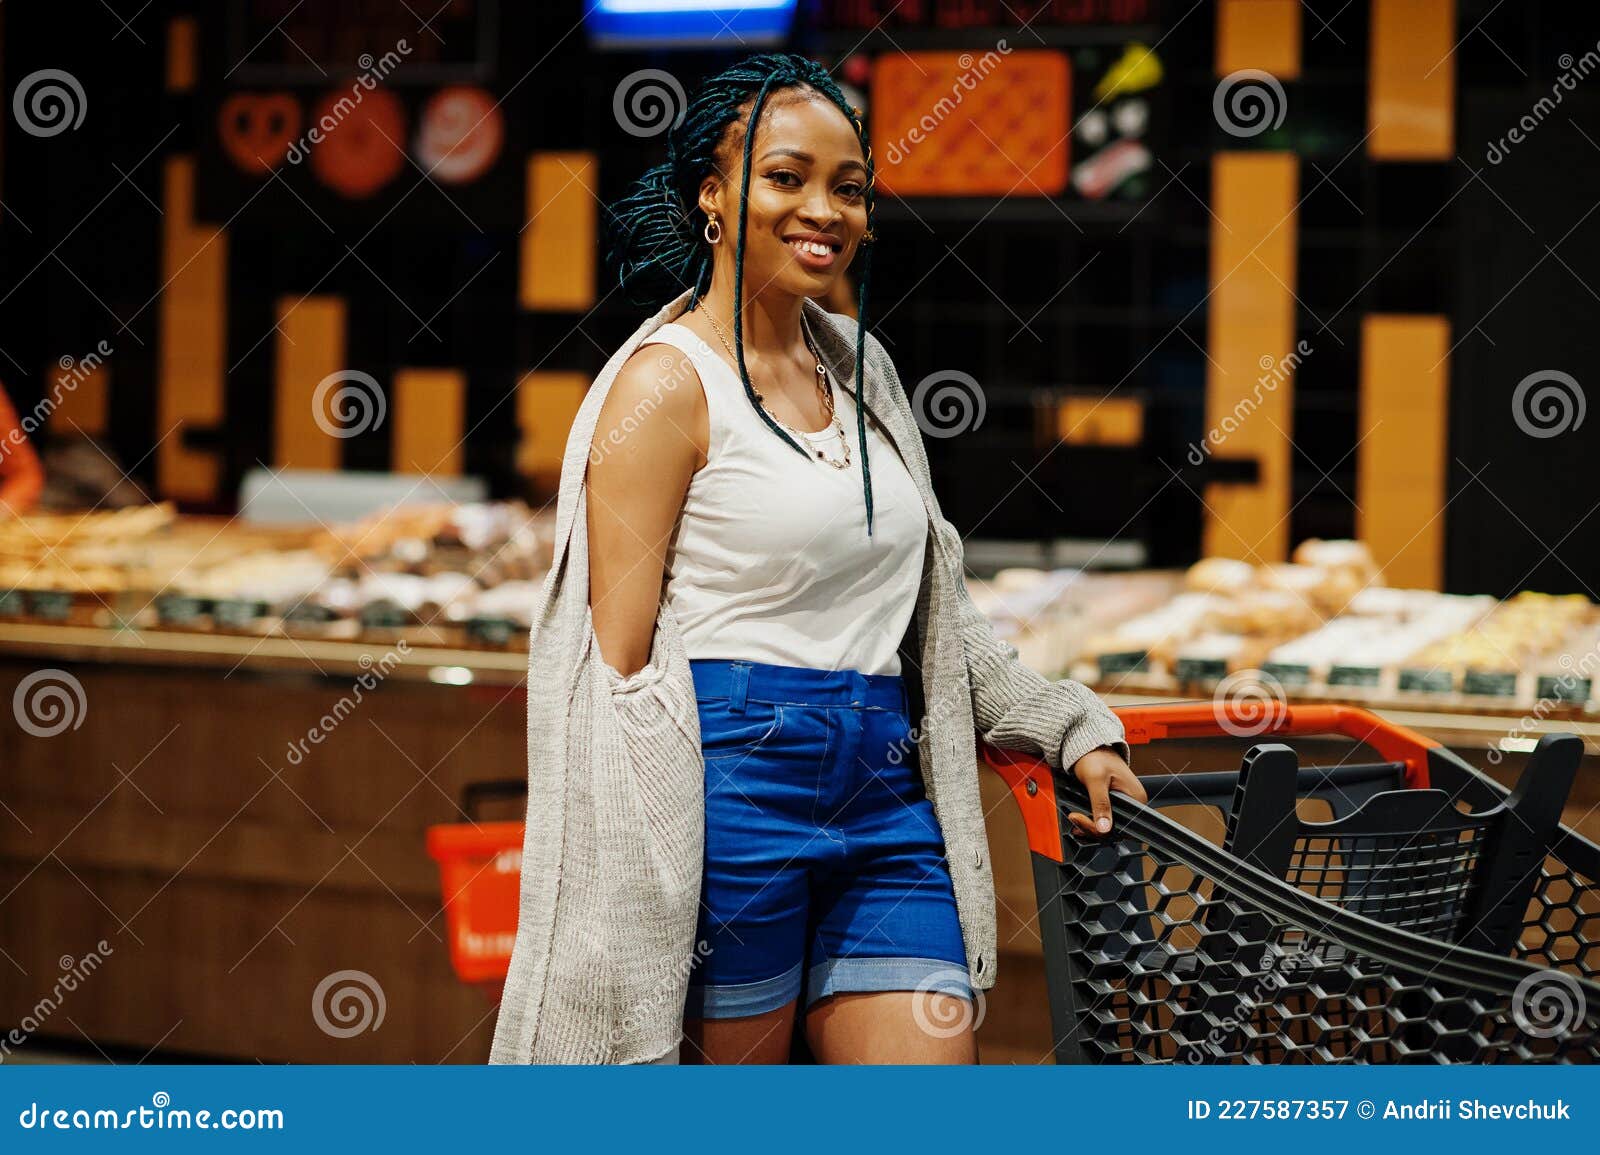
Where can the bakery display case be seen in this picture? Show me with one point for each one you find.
(434, 574)
(1325, 627)
(458, 582)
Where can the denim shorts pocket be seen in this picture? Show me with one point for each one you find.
(725, 734)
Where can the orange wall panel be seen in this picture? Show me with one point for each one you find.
(1403, 455)
(1262, 34)
(559, 241)
(1100, 420)
(429, 413)
(193, 338)
(1411, 79)
(1251, 318)
(546, 405)
(310, 347)
(80, 397)
(183, 52)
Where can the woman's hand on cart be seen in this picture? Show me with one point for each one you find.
(1101, 771)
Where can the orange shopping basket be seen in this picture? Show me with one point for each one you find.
(480, 871)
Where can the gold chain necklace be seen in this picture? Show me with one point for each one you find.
(824, 389)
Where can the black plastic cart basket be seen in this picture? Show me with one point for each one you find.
(1404, 910)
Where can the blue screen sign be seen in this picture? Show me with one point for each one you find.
(690, 23)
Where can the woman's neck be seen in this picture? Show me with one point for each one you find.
(771, 320)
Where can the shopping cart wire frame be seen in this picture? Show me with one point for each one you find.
(1162, 947)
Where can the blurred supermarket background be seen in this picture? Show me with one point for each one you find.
(1251, 340)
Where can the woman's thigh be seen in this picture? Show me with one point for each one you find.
(892, 1027)
(869, 1027)
(763, 1038)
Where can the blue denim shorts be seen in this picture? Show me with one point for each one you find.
(825, 867)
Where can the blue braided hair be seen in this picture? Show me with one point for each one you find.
(655, 234)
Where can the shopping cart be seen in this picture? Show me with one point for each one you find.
(1434, 916)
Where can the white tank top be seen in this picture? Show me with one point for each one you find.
(770, 559)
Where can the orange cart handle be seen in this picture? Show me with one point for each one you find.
(1260, 720)
(1032, 781)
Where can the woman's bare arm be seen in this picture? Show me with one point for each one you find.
(651, 437)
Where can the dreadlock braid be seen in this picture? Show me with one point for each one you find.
(654, 233)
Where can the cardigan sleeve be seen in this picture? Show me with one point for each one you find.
(1017, 708)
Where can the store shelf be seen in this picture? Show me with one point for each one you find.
(307, 656)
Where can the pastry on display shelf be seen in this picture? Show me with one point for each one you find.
(1529, 632)
(1325, 574)
(430, 568)
(1153, 638)
(1049, 614)
(272, 577)
(1220, 575)
(42, 532)
(1269, 613)
(1326, 589)
(502, 541)
(1570, 672)
(64, 567)
(423, 568)
(1343, 554)
(1380, 629)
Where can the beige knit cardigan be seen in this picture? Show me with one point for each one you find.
(612, 859)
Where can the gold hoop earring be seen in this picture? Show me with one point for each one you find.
(713, 230)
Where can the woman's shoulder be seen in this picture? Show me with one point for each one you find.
(656, 392)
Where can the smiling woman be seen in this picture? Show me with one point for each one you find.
(758, 535)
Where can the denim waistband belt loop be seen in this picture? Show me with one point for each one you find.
(738, 686)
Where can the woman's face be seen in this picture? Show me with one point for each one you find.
(807, 210)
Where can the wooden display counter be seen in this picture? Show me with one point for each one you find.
(242, 821)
